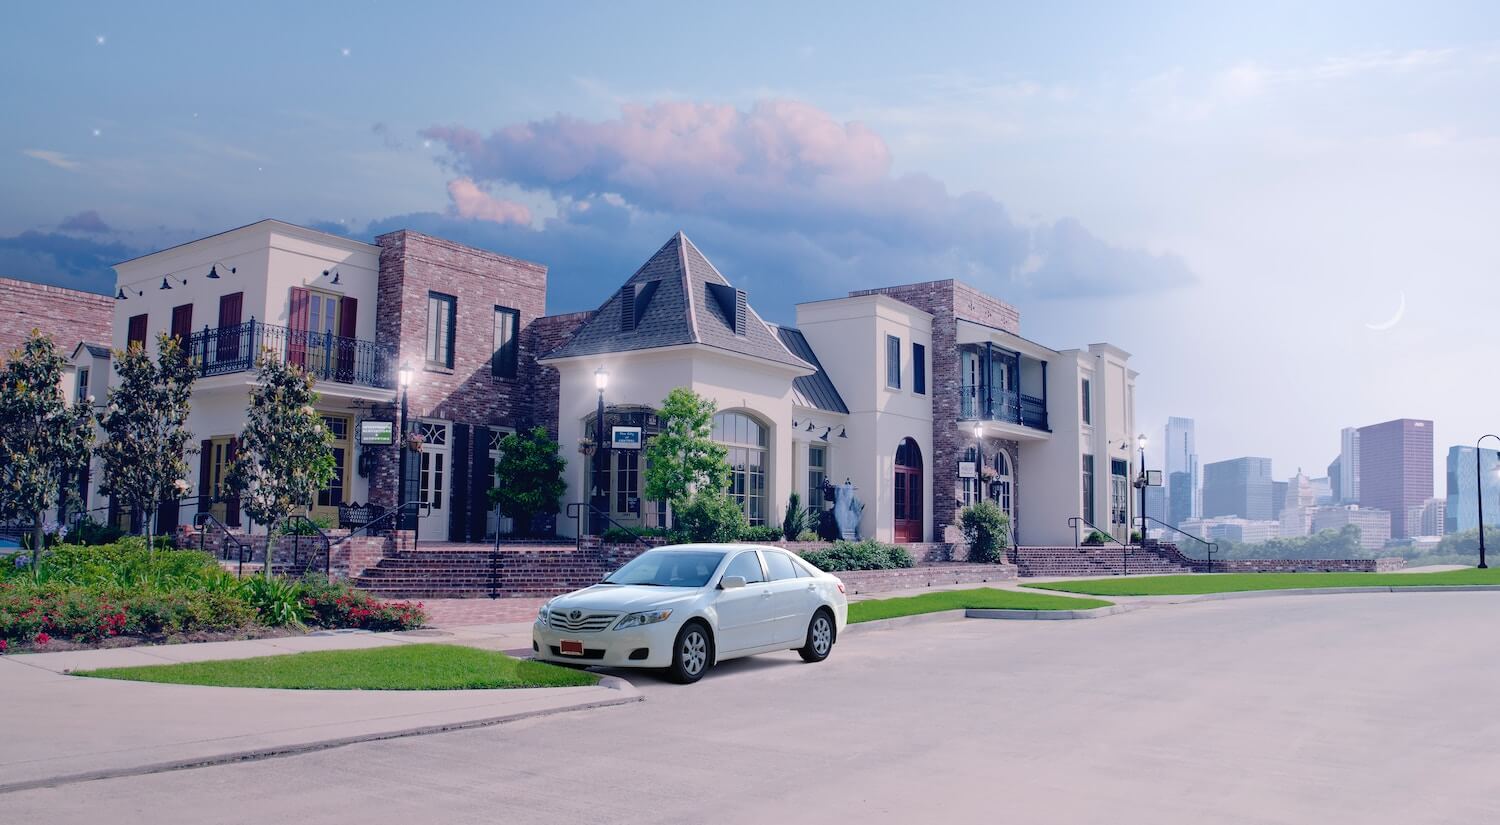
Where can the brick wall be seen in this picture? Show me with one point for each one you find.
(68, 316)
(884, 581)
(543, 336)
(948, 301)
(411, 265)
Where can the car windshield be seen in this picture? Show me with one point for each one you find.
(669, 568)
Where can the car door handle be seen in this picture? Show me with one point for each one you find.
(811, 586)
(765, 594)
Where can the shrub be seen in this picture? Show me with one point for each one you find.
(278, 601)
(798, 519)
(1135, 537)
(761, 532)
(336, 604)
(863, 555)
(987, 530)
(808, 535)
(710, 516)
(621, 535)
(1096, 538)
(89, 531)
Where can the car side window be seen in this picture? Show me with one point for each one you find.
(747, 565)
(780, 565)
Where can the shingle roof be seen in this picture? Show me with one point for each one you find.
(817, 390)
(678, 309)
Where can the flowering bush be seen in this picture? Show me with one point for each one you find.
(334, 604)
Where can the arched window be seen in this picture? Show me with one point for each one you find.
(1004, 484)
(745, 438)
(968, 492)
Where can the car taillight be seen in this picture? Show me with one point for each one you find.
(841, 587)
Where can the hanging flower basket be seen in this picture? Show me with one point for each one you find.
(414, 440)
(587, 446)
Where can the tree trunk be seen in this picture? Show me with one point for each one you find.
(270, 548)
(37, 538)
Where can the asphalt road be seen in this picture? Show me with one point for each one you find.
(1358, 709)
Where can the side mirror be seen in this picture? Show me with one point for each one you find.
(731, 582)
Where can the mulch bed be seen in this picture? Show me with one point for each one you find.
(58, 645)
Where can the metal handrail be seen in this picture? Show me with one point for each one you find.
(575, 511)
(1210, 545)
(202, 519)
(386, 515)
(317, 532)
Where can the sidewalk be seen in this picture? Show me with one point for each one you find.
(67, 728)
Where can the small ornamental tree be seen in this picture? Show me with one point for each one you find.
(42, 437)
(145, 442)
(683, 457)
(285, 455)
(528, 478)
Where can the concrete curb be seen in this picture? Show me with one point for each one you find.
(1045, 615)
(628, 695)
(1339, 591)
(862, 628)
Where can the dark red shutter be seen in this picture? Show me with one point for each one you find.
(230, 308)
(458, 486)
(182, 321)
(297, 320)
(136, 332)
(348, 317)
(481, 479)
(205, 474)
(231, 503)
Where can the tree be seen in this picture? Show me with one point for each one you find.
(143, 454)
(682, 457)
(987, 530)
(285, 455)
(528, 477)
(42, 437)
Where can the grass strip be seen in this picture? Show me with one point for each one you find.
(398, 667)
(1201, 583)
(868, 610)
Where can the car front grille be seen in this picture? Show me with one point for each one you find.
(585, 623)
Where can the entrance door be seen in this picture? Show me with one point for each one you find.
(326, 505)
(433, 471)
(625, 498)
(908, 492)
(496, 524)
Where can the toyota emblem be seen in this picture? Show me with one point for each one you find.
(576, 615)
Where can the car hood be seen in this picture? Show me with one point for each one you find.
(624, 597)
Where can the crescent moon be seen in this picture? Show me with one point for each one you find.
(1393, 320)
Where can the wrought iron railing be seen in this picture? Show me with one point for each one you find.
(228, 542)
(1079, 522)
(1015, 408)
(1208, 546)
(328, 357)
(305, 533)
(576, 510)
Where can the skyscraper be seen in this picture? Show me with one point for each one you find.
(1395, 469)
(1179, 498)
(1336, 479)
(1462, 510)
(1349, 465)
(1239, 487)
(1181, 448)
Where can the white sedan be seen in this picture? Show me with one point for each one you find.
(688, 606)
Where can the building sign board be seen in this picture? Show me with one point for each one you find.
(377, 432)
(625, 438)
(966, 469)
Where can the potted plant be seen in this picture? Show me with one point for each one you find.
(587, 446)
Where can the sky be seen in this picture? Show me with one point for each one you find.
(1284, 211)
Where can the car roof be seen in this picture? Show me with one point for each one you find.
(722, 548)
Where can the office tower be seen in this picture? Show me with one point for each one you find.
(1395, 469)
(1349, 465)
(1239, 487)
(1461, 510)
(1181, 451)
(1179, 498)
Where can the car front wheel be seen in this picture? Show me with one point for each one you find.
(692, 653)
(819, 641)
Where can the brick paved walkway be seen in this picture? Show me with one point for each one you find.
(461, 612)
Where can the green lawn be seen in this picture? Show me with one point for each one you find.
(869, 610)
(1187, 585)
(399, 667)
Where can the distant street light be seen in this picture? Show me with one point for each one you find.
(1479, 491)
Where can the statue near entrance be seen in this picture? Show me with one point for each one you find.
(847, 508)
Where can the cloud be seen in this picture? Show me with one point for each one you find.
(51, 158)
(473, 203)
(88, 221)
(63, 260)
(786, 173)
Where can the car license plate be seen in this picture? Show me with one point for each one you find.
(570, 647)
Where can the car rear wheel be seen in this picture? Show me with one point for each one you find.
(692, 653)
(820, 636)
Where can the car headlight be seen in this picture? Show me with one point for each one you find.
(643, 618)
(541, 615)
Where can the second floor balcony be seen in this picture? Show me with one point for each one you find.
(994, 384)
(326, 356)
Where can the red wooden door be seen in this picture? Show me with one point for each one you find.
(297, 332)
(908, 492)
(231, 307)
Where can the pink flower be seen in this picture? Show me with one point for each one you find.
(42, 639)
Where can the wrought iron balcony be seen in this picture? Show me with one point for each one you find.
(977, 402)
(326, 356)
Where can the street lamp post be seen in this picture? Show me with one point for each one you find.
(404, 377)
(979, 459)
(601, 382)
(1141, 482)
(1479, 491)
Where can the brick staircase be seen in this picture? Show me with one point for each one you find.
(1097, 561)
(468, 570)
